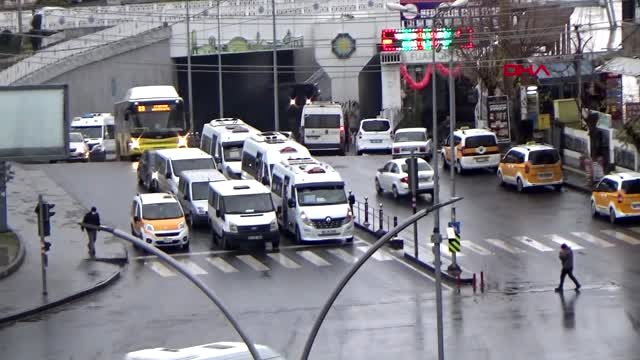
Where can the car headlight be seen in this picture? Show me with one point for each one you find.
(183, 140)
(148, 227)
(233, 227)
(274, 225)
(305, 219)
(134, 143)
(181, 226)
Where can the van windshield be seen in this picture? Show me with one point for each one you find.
(322, 195)
(481, 140)
(75, 138)
(631, 186)
(91, 132)
(544, 157)
(411, 136)
(191, 164)
(247, 204)
(322, 121)
(199, 190)
(232, 152)
(161, 211)
(375, 125)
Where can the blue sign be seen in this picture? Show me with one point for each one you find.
(455, 226)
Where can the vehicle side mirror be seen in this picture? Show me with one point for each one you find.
(265, 181)
(381, 170)
(186, 197)
(136, 219)
(218, 213)
(217, 159)
(168, 174)
(291, 203)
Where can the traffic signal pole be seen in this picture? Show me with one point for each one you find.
(43, 254)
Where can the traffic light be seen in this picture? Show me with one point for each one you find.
(46, 246)
(44, 216)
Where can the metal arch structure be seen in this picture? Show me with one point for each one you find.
(183, 270)
(343, 282)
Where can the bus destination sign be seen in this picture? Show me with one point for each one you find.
(154, 108)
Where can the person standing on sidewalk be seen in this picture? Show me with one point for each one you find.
(91, 218)
(566, 258)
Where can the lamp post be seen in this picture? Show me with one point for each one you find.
(190, 89)
(276, 114)
(220, 98)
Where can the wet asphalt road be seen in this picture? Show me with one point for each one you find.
(388, 310)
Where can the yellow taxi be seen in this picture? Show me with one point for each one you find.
(158, 219)
(531, 165)
(617, 196)
(475, 149)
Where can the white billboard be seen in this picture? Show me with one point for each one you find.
(34, 123)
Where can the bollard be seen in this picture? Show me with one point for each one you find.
(482, 281)
(380, 216)
(474, 282)
(366, 212)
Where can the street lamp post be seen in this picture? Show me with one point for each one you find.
(276, 114)
(190, 89)
(220, 98)
(452, 123)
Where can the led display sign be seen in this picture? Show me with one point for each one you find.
(154, 108)
(420, 39)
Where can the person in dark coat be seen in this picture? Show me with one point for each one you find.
(566, 258)
(92, 218)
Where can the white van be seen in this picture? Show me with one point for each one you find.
(98, 129)
(170, 163)
(311, 201)
(193, 192)
(223, 139)
(374, 135)
(262, 151)
(214, 351)
(241, 210)
(322, 127)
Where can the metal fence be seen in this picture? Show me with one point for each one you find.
(372, 217)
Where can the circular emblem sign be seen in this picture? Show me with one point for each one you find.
(327, 219)
(481, 149)
(343, 46)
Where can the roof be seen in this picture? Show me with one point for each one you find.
(157, 198)
(151, 92)
(183, 153)
(204, 175)
(624, 175)
(402, 161)
(473, 132)
(416, 129)
(621, 66)
(206, 351)
(376, 119)
(533, 147)
(226, 121)
(239, 187)
(310, 170)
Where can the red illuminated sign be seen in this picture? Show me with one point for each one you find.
(518, 69)
(418, 39)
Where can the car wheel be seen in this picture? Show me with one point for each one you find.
(459, 169)
(519, 185)
(186, 246)
(378, 188)
(557, 187)
(226, 244)
(612, 216)
(500, 178)
(594, 210)
(359, 153)
(394, 189)
(275, 243)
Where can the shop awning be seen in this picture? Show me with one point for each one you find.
(621, 66)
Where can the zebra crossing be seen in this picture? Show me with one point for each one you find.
(288, 259)
(299, 258)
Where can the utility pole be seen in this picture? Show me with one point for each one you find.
(578, 65)
(220, 98)
(4, 178)
(276, 114)
(43, 254)
(191, 124)
(19, 3)
(452, 123)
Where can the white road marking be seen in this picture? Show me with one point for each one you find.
(622, 236)
(221, 264)
(343, 255)
(192, 267)
(592, 239)
(252, 262)
(534, 244)
(560, 240)
(474, 247)
(284, 261)
(505, 246)
(313, 258)
(160, 268)
(378, 255)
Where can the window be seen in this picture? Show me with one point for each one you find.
(232, 152)
(544, 157)
(422, 166)
(89, 132)
(412, 136)
(161, 211)
(509, 158)
(609, 185)
(133, 208)
(75, 137)
(214, 142)
(387, 168)
(213, 199)
(631, 186)
(481, 140)
(325, 195)
(456, 140)
(375, 125)
(205, 144)
(247, 204)
(110, 132)
(394, 169)
(248, 163)
(321, 121)
(161, 165)
(276, 185)
(199, 190)
(191, 164)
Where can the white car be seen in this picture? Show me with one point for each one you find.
(394, 177)
(411, 139)
(374, 135)
(78, 148)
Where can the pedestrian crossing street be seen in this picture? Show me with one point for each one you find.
(296, 258)
(290, 259)
(548, 243)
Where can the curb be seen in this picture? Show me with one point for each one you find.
(98, 286)
(579, 188)
(17, 262)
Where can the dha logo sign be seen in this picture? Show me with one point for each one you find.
(518, 69)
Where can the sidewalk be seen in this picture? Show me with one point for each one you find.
(576, 179)
(70, 272)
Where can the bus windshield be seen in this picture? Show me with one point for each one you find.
(90, 132)
(158, 117)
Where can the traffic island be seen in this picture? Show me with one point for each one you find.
(426, 260)
(12, 253)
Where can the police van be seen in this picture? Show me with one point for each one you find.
(262, 151)
(322, 127)
(241, 211)
(223, 139)
(170, 163)
(98, 130)
(310, 201)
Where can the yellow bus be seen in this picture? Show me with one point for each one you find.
(149, 117)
